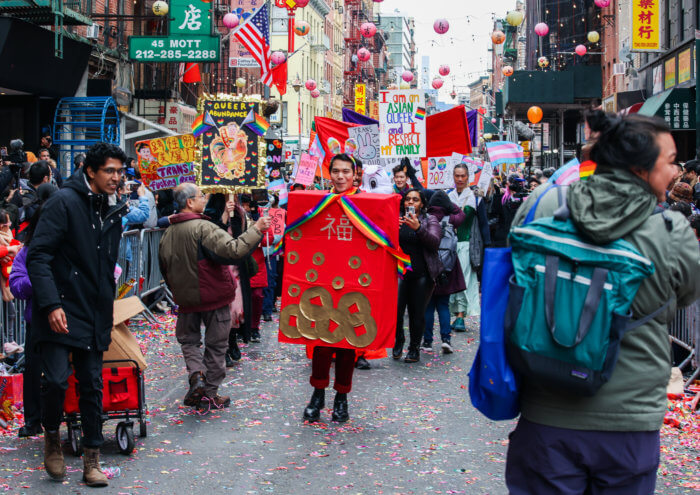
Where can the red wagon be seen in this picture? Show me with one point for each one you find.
(123, 398)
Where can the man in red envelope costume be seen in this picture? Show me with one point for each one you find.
(339, 293)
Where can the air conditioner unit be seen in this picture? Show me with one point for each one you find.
(340, 9)
(618, 69)
(93, 32)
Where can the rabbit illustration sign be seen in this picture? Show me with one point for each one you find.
(367, 139)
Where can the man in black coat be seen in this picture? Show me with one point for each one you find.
(71, 263)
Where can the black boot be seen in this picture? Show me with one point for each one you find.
(413, 356)
(340, 408)
(29, 430)
(312, 413)
(362, 364)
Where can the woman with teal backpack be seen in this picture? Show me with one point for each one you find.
(608, 442)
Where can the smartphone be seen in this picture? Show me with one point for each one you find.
(266, 212)
(411, 210)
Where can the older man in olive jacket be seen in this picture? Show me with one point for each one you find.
(193, 254)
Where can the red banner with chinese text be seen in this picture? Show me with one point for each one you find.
(339, 290)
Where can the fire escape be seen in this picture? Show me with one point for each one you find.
(357, 71)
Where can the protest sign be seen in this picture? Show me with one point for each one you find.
(279, 186)
(277, 217)
(367, 139)
(402, 123)
(485, 178)
(274, 160)
(390, 163)
(440, 173)
(165, 163)
(306, 171)
(233, 156)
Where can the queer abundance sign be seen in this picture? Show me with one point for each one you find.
(165, 163)
(233, 156)
(402, 123)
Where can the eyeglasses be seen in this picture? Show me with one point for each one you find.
(202, 195)
(112, 170)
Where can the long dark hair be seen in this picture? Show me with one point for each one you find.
(423, 201)
(627, 143)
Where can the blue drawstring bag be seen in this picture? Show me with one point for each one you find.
(493, 385)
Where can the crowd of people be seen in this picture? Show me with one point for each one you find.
(62, 240)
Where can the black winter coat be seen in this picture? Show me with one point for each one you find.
(71, 262)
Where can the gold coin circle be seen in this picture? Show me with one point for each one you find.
(338, 283)
(295, 235)
(365, 280)
(294, 290)
(312, 275)
(292, 257)
(318, 259)
(372, 245)
(355, 262)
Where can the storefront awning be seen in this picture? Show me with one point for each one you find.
(676, 106)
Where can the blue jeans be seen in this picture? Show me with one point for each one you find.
(269, 291)
(442, 304)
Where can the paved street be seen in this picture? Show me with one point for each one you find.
(412, 430)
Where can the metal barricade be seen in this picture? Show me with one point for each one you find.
(130, 257)
(12, 320)
(685, 332)
(150, 267)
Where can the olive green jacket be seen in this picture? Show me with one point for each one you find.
(608, 206)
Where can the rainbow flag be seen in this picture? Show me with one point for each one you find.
(420, 113)
(256, 123)
(586, 169)
(202, 124)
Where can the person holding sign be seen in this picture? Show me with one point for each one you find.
(465, 302)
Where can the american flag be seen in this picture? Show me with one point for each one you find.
(254, 34)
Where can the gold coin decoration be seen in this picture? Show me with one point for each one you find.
(295, 235)
(311, 275)
(318, 259)
(365, 280)
(338, 283)
(306, 313)
(294, 290)
(372, 245)
(355, 262)
(292, 257)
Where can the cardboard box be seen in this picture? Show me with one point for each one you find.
(11, 387)
(124, 345)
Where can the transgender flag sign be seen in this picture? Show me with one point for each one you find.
(505, 152)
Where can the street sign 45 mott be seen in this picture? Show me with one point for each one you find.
(174, 49)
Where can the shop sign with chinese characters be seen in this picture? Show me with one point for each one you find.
(361, 98)
(679, 115)
(190, 38)
(646, 25)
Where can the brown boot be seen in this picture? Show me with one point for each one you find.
(214, 402)
(92, 474)
(53, 456)
(196, 391)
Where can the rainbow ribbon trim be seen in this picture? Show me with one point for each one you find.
(366, 226)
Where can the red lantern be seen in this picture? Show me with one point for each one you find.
(441, 26)
(231, 20)
(498, 37)
(444, 70)
(407, 76)
(363, 54)
(507, 71)
(581, 50)
(278, 58)
(541, 29)
(301, 28)
(368, 29)
(302, 3)
(437, 83)
(602, 3)
(310, 84)
(315, 93)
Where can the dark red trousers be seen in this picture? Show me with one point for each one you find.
(321, 368)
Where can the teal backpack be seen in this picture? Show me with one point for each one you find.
(569, 302)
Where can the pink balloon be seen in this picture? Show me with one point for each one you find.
(541, 29)
(494, 120)
(368, 29)
(310, 84)
(231, 20)
(602, 3)
(437, 83)
(444, 70)
(441, 26)
(315, 93)
(278, 58)
(407, 76)
(580, 50)
(363, 54)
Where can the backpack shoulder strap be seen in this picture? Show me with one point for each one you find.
(664, 214)
(562, 202)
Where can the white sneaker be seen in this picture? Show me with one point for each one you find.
(447, 348)
(426, 348)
